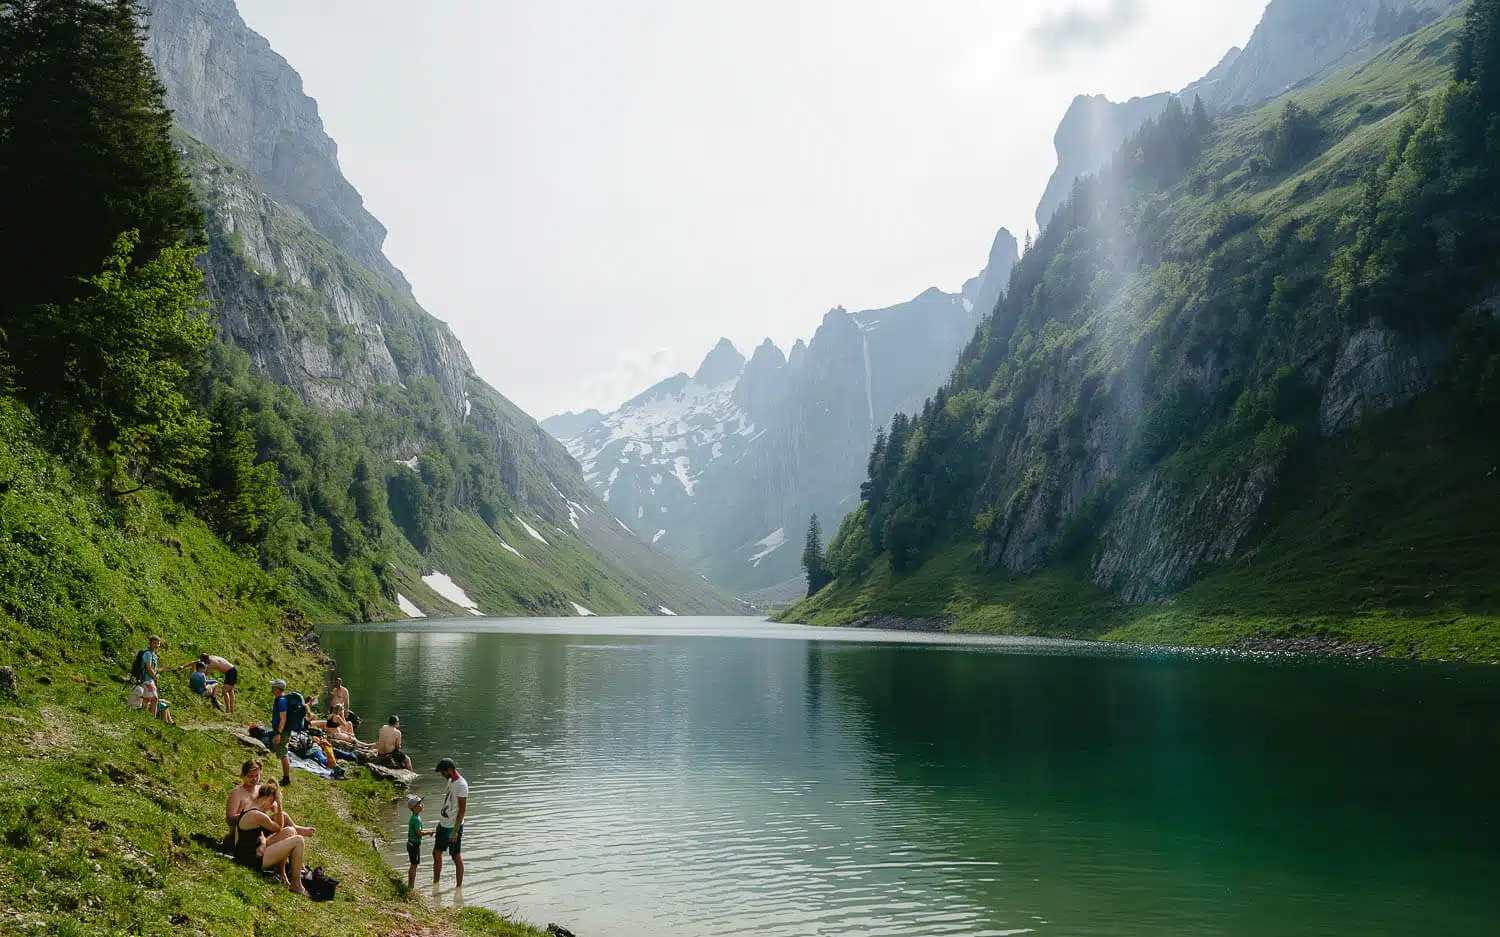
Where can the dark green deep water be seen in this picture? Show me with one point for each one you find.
(698, 777)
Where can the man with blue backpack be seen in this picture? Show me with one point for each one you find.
(288, 715)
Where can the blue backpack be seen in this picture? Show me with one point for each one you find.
(296, 712)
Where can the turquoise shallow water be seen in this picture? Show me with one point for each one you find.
(699, 777)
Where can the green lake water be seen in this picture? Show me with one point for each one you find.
(697, 777)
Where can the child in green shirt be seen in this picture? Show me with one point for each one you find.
(414, 834)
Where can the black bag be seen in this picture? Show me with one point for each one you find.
(319, 884)
(138, 668)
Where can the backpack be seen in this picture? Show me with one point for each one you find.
(138, 668)
(296, 713)
(319, 884)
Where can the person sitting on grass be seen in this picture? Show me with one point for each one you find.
(243, 795)
(231, 677)
(265, 843)
(199, 683)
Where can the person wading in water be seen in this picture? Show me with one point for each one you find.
(450, 828)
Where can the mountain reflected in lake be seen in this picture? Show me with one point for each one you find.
(635, 783)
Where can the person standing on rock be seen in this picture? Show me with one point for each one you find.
(450, 828)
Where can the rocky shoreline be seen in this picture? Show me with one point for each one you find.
(1316, 647)
(1308, 646)
(898, 623)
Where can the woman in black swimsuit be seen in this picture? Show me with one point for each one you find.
(261, 842)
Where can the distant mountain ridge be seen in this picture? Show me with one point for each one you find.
(722, 469)
(1296, 42)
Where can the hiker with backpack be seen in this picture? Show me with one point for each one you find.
(143, 672)
(288, 715)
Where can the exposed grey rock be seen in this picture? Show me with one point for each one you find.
(1167, 529)
(229, 89)
(1090, 132)
(1376, 371)
(723, 364)
(1300, 42)
(9, 685)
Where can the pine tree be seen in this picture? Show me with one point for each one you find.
(1201, 122)
(99, 230)
(1479, 52)
(85, 148)
(814, 563)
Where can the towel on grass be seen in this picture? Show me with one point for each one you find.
(308, 765)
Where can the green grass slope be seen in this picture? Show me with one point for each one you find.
(98, 803)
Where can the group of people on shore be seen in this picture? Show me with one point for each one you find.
(147, 668)
(262, 836)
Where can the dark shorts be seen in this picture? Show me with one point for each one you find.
(414, 852)
(449, 839)
(278, 748)
(231, 676)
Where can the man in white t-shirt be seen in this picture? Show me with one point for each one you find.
(450, 828)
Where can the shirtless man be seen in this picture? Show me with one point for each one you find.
(388, 746)
(242, 798)
(243, 795)
(231, 677)
(340, 695)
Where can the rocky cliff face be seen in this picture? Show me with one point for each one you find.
(1298, 42)
(229, 89)
(296, 279)
(723, 469)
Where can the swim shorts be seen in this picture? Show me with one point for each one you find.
(450, 839)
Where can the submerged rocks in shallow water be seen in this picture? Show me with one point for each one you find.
(1325, 647)
(897, 623)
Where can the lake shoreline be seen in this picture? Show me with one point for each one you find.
(1312, 646)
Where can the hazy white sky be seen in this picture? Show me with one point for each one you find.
(592, 192)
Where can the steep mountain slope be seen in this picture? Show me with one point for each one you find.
(723, 469)
(1297, 42)
(300, 289)
(1248, 372)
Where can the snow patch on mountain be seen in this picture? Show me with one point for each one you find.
(443, 584)
(530, 529)
(769, 544)
(408, 607)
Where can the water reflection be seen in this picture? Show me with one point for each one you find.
(635, 783)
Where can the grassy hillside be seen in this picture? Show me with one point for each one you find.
(99, 804)
(1384, 538)
(1169, 430)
